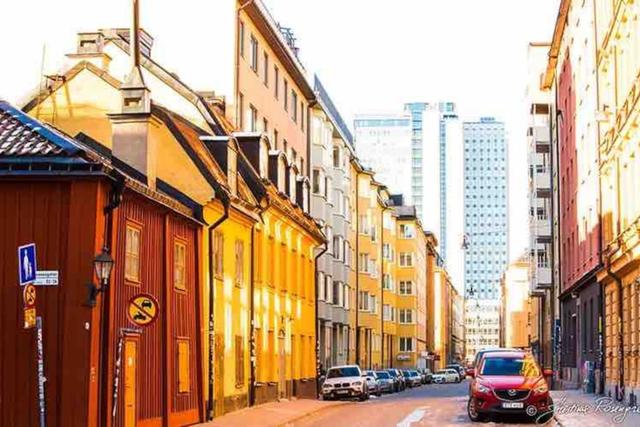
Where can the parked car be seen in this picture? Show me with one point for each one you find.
(414, 378)
(385, 381)
(372, 382)
(426, 375)
(461, 371)
(446, 376)
(399, 383)
(509, 382)
(345, 381)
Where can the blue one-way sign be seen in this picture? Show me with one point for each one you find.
(27, 263)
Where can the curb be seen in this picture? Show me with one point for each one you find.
(308, 414)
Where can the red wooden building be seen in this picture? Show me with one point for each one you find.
(74, 201)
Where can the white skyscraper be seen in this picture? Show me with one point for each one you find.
(419, 153)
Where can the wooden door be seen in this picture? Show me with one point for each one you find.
(282, 366)
(130, 381)
(219, 375)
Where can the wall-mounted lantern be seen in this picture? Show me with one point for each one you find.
(103, 265)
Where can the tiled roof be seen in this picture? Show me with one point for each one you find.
(406, 211)
(22, 136)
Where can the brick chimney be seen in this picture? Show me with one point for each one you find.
(130, 127)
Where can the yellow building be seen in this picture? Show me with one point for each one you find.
(411, 272)
(389, 287)
(256, 233)
(515, 305)
(368, 318)
(442, 296)
(618, 64)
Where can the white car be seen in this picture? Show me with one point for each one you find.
(446, 376)
(345, 381)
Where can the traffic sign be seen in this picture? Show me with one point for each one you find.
(27, 263)
(47, 278)
(143, 309)
(29, 317)
(29, 295)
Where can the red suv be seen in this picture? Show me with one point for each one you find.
(509, 382)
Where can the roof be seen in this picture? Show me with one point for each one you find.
(405, 211)
(24, 137)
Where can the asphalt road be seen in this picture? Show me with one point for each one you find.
(429, 405)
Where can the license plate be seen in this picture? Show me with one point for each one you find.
(513, 405)
(342, 392)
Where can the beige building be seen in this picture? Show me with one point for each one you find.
(515, 305)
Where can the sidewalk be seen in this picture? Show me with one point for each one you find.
(272, 414)
(574, 408)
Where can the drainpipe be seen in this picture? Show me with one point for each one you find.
(317, 319)
(210, 404)
(382, 289)
(115, 198)
(357, 355)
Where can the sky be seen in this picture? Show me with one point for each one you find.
(371, 55)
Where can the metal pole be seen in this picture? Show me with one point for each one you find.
(41, 377)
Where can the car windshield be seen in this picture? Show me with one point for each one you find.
(513, 366)
(370, 374)
(441, 372)
(347, 371)
(415, 373)
(383, 375)
(393, 373)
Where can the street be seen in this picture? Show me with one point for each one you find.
(428, 405)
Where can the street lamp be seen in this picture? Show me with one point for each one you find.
(103, 265)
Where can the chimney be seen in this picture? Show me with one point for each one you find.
(130, 127)
(90, 48)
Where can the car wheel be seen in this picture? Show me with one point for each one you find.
(473, 413)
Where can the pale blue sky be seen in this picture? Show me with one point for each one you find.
(372, 55)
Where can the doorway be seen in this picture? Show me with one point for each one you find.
(130, 381)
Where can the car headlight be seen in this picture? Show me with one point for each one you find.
(357, 383)
(541, 388)
(481, 388)
(327, 385)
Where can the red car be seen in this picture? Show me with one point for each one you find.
(509, 382)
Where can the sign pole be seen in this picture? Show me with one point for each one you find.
(41, 377)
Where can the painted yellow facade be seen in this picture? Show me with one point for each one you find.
(618, 64)
(389, 288)
(411, 275)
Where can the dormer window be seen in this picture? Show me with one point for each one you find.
(264, 158)
(282, 169)
(293, 177)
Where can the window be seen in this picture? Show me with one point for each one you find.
(406, 231)
(364, 263)
(363, 301)
(132, 254)
(265, 65)
(275, 139)
(301, 116)
(241, 38)
(218, 254)
(179, 264)
(406, 315)
(387, 283)
(337, 293)
(315, 182)
(373, 307)
(286, 96)
(239, 361)
(406, 344)
(387, 312)
(321, 293)
(254, 118)
(254, 54)
(294, 106)
(276, 81)
(336, 157)
(406, 259)
(239, 248)
(184, 383)
(364, 225)
(406, 287)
